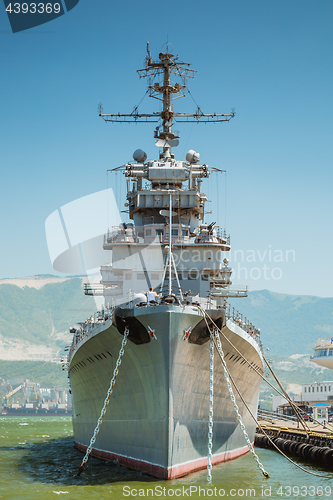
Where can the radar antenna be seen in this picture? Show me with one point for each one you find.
(166, 91)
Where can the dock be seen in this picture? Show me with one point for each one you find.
(314, 445)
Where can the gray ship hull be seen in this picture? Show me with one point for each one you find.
(157, 419)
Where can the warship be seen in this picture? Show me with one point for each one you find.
(165, 290)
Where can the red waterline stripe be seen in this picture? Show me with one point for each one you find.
(160, 471)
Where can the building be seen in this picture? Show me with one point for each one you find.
(321, 392)
(320, 412)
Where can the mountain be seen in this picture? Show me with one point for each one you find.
(289, 324)
(45, 373)
(36, 313)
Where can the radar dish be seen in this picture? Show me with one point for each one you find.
(192, 156)
(167, 46)
(166, 213)
(140, 156)
(162, 143)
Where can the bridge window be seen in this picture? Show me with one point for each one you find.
(304, 389)
(148, 232)
(159, 232)
(140, 276)
(174, 232)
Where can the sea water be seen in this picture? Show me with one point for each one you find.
(38, 461)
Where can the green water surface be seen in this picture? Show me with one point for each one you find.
(38, 461)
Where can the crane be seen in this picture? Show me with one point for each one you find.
(11, 392)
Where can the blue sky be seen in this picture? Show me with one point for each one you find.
(271, 61)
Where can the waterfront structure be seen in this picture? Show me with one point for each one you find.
(320, 412)
(318, 392)
(24, 396)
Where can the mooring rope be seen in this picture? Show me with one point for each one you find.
(242, 399)
(287, 397)
(215, 338)
(292, 404)
(283, 394)
(106, 402)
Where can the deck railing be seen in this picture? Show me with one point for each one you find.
(325, 342)
(101, 316)
(131, 234)
(233, 315)
(88, 326)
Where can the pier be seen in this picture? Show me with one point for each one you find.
(314, 445)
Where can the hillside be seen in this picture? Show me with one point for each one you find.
(47, 374)
(36, 313)
(289, 324)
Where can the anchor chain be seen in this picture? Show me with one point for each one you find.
(106, 402)
(248, 409)
(211, 409)
(233, 399)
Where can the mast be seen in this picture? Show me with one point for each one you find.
(165, 91)
(170, 244)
